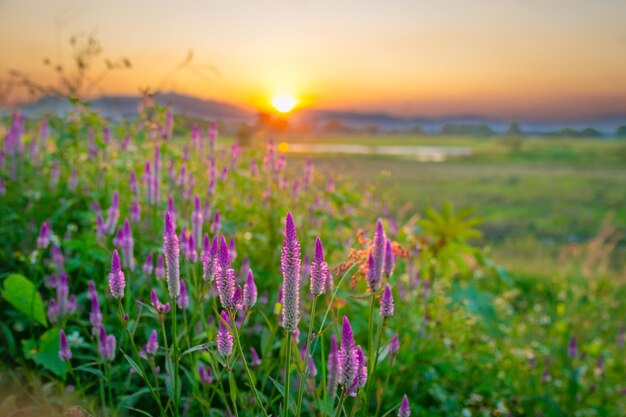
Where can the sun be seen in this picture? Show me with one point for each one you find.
(284, 103)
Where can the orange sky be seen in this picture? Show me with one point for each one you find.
(505, 58)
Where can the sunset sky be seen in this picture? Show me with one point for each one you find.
(532, 59)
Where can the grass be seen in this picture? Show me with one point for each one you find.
(536, 197)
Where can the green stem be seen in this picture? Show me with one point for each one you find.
(102, 395)
(245, 365)
(287, 368)
(107, 368)
(354, 403)
(342, 397)
(370, 331)
(380, 403)
(175, 356)
(305, 371)
(139, 361)
(372, 378)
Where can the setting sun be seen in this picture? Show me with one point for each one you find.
(284, 103)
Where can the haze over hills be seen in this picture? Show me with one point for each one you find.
(119, 106)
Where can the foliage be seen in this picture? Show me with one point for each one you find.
(474, 338)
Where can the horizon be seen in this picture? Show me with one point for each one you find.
(517, 60)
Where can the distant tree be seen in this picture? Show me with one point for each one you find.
(333, 126)
(416, 130)
(514, 130)
(621, 131)
(472, 129)
(585, 133)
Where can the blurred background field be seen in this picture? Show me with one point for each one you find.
(541, 199)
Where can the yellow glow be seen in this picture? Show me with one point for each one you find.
(284, 103)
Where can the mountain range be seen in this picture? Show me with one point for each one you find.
(118, 106)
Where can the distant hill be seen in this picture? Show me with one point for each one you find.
(333, 121)
(125, 106)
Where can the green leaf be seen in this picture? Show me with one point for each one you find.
(21, 293)
(45, 352)
(134, 365)
(280, 388)
(196, 348)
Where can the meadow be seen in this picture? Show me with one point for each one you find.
(540, 198)
(146, 274)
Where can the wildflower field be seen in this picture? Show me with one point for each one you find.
(149, 267)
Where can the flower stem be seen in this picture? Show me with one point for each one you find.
(305, 371)
(354, 403)
(144, 376)
(287, 366)
(372, 379)
(175, 356)
(245, 365)
(342, 397)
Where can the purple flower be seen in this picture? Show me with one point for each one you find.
(249, 291)
(238, 298)
(148, 265)
(157, 175)
(380, 241)
(124, 144)
(172, 254)
(183, 298)
(95, 317)
(127, 244)
(311, 368)
(372, 279)
(159, 271)
(361, 374)
(53, 311)
(57, 258)
(405, 409)
(348, 366)
(65, 354)
(113, 214)
(101, 227)
(254, 358)
(205, 373)
(389, 259)
(225, 276)
(192, 253)
(135, 212)
(209, 258)
(116, 277)
(224, 338)
(160, 307)
(43, 240)
(153, 344)
(290, 267)
(215, 226)
(197, 219)
(106, 134)
(171, 209)
(386, 303)
(232, 249)
(319, 270)
(572, 348)
(333, 367)
(134, 185)
(106, 345)
(394, 346)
